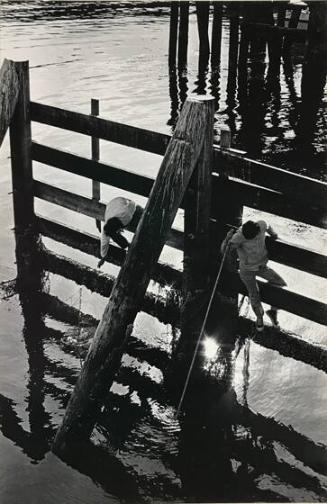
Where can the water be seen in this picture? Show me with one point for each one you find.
(256, 430)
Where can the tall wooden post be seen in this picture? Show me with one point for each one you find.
(29, 277)
(196, 269)
(183, 33)
(216, 33)
(21, 160)
(229, 212)
(173, 26)
(105, 353)
(95, 148)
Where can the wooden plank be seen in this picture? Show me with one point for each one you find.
(104, 129)
(165, 310)
(107, 347)
(284, 299)
(295, 186)
(112, 175)
(295, 256)
(235, 165)
(90, 208)
(90, 245)
(265, 200)
(9, 90)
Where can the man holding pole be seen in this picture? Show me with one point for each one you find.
(249, 242)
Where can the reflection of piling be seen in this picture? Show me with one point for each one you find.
(173, 33)
(233, 52)
(314, 68)
(216, 33)
(95, 146)
(183, 34)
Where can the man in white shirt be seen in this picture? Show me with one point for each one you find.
(249, 242)
(120, 212)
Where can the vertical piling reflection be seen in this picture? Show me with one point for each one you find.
(206, 439)
(30, 283)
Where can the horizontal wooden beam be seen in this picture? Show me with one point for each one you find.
(93, 170)
(263, 199)
(89, 207)
(296, 257)
(284, 299)
(9, 90)
(89, 244)
(164, 274)
(294, 186)
(226, 161)
(164, 309)
(104, 129)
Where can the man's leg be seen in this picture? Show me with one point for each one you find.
(249, 279)
(274, 279)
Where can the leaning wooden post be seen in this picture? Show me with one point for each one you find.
(95, 150)
(173, 26)
(183, 34)
(105, 353)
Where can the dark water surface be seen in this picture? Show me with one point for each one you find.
(255, 430)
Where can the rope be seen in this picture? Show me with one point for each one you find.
(202, 330)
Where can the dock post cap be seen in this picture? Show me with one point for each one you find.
(200, 97)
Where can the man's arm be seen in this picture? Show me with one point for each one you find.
(120, 240)
(272, 233)
(227, 241)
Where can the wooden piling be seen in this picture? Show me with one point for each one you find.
(173, 26)
(183, 33)
(197, 203)
(216, 33)
(9, 90)
(95, 150)
(105, 354)
(21, 160)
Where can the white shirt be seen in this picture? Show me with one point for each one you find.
(252, 253)
(121, 208)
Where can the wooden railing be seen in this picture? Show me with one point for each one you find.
(254, 184)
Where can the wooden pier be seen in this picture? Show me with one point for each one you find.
(229, 177)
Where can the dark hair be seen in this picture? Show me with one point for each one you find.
(250, 230)
(112, 225)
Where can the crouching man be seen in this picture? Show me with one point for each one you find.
(249, 242)
(120, 212)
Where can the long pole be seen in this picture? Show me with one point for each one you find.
(95, 147)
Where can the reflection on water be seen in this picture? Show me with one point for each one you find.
(252, 428)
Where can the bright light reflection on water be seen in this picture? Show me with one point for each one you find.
(210, 348)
